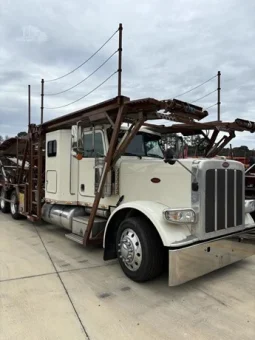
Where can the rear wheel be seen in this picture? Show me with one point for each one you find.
(140, 250)
(5, 206)
(15, 206)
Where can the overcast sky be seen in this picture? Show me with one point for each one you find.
(168, 48)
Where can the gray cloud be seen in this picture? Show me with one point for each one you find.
(168, 48)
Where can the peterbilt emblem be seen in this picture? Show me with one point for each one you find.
(225, 165)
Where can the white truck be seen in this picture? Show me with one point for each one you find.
(108, 180)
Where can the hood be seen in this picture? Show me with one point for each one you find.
(154, 180)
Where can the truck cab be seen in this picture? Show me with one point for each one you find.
(179, 203)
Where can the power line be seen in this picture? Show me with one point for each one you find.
(47, 81)
(208, 94)
(196, 87)
(75, 101)
(91, 74)
(210, 106)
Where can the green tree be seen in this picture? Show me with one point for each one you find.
(22, 134)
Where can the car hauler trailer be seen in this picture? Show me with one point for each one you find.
(111, 184)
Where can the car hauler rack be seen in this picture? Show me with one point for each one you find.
(29, 179)
(130, 207)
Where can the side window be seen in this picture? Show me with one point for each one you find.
(88, 145)
(52, 148)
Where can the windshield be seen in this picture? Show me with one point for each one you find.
(145, 144)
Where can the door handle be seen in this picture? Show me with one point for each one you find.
(82, 187)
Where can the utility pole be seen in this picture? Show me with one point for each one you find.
(218, 90)
(120, 60)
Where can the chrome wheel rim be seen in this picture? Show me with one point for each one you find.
(130, 250)
(13, 205)
(2, 202)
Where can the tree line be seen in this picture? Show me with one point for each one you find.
(20, 134)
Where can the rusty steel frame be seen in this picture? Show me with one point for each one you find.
(111, 159)
(221, 144)
(116, 111)
(107, 167)
(39, 158)
(21, 170)
(127, 140)
(212, 141)
(87, 113)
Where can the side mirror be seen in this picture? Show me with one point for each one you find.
(77, 139)
(169, 157)
(80, 135)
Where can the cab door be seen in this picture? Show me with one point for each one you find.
(86, 172)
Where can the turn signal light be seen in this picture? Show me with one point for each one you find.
(180, 215)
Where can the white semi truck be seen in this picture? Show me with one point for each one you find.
(102, 174)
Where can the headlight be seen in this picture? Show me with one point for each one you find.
(180, 215)
(249, 206)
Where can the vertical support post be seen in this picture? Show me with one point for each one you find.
(31, 170)
(39, 155)
(120, 60)
(17, 156)
(39, 174)
(230, 151)
(29, 107)
(218, 102)
(42, 97)
(28, 192)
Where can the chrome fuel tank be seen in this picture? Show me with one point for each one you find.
(61, 215)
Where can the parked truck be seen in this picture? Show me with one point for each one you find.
(104, 175)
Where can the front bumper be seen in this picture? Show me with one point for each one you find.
(188, 263)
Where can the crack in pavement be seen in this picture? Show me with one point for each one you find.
(63, 285)
(57, 273)
(60, 272)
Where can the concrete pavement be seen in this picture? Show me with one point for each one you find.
(52, 288)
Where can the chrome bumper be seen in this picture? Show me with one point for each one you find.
(188, 263)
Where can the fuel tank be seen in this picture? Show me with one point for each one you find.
(61, 215)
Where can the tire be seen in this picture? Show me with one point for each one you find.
(5, 206)
(139, 249)
(14, 206)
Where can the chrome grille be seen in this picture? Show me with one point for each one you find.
(224, 192)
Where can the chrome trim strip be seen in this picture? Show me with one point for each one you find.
(70, 170)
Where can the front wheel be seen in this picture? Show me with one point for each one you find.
(15, 206)
(140, 250)
(5, 206)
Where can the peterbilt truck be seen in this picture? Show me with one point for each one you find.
(107, 179)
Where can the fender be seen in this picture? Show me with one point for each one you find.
(169, 232)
